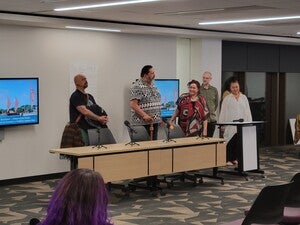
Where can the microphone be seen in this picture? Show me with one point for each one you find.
(169, 125)
(239, 120)
(127, 124)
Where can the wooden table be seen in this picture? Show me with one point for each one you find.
(120, 161)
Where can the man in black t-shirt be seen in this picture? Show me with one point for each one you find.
(83, 107)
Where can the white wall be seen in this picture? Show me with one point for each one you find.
(183, 64)
(47, 54)
(195, 56)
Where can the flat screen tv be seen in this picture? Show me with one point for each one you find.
(169, 91)
(19, 101)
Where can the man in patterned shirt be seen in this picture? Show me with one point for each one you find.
(145, 101)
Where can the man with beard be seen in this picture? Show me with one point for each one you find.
(83, 109)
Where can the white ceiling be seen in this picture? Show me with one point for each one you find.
(161, 15)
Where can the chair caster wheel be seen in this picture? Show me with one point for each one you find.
(162, 193)
(200, 181)
(154, 194)
(132, 188)
(170, 185)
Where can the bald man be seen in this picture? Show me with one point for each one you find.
(211, 96)
(84, 110)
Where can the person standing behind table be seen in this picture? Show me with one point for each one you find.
(192, 111)
(79, 198)
(235, 106)
(145, 101)
(211, 97)
(81, 104)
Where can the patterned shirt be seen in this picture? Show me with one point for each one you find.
(149, 100)
(191, 114)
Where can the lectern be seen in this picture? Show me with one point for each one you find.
(248, 155)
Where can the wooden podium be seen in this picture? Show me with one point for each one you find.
(248, 153)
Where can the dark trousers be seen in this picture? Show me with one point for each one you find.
(211, 129)
(231, 149)
(155, 131)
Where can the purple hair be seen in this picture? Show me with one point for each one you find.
(79, 198)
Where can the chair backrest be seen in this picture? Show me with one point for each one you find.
(293, 199)
(176, 132)
(268, 206)
(140, 135)
(101, 136)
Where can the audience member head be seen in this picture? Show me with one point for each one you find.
(206, 78)
(194, 88)
(80, 198)
(80, 81)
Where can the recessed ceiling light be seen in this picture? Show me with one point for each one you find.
(298, 33)
(104, 5)
(93, 29)
(249, 20)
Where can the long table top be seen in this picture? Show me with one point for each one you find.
(145, 145)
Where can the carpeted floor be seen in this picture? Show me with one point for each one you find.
(207, 203)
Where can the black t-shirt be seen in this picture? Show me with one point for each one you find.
(78, 98)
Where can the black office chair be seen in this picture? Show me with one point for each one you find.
(100, 137)
(139, 133)
(267, 207)
(175, 131)
(150, 183)
(34, 221)
(291, 213)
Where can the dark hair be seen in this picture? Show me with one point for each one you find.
(145, 70)
(79, 198)
(228, 82)
(196, 83)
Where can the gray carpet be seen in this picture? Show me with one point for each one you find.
(206, 203)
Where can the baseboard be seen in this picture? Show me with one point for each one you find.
(32, 179)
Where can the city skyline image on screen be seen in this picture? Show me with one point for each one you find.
(19, 102)
(169, 91)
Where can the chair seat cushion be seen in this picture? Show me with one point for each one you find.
(291, 215)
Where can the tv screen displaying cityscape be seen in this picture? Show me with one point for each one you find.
(169, 91)
(19, 101)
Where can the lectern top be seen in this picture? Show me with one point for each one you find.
(241, 123)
